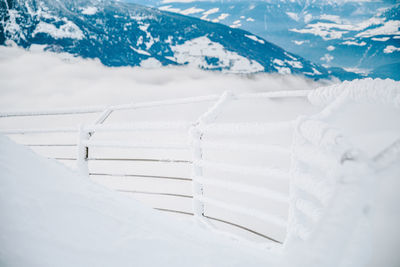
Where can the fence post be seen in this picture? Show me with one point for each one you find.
(197, 171)
(196, 134)
(83, 151)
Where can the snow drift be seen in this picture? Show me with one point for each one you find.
(53, 217)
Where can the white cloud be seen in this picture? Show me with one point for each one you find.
(382, 39)
(333, 18)
(223, 16)
(390, 49)
(333, 30)
(170, 9)
(177, 1)
(327, 58)
(330, 48)
(354, 43)
(47, 80)
(191, 10)
(390, 27)
(150, 63)
(298, 42)
(308, 18)
(209, 12)
(293, 16)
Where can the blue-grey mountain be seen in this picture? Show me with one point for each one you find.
(360, 36)
(126, 34)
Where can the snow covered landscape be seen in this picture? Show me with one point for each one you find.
(130, 135)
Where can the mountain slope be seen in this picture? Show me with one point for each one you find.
(356, 35)
(121, 34)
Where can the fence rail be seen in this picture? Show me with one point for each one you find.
(205, 124)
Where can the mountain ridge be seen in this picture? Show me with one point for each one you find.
(126, 34)
(353, 35)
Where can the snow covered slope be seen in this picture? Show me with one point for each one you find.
(357, 35)
(50, 213)
(51, 216)
(121, 34)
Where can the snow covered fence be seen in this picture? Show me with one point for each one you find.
(206, 124)
(331, 180)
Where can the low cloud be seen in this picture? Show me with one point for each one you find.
(37, 79)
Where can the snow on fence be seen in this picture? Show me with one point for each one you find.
(205, 124)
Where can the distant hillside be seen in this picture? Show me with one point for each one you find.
(121, 34)
(355, 35)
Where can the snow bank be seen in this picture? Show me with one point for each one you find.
(369, 90)
(53, 217)
(344, 214)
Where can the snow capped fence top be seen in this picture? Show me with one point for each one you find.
(331, 204)
(366, 90)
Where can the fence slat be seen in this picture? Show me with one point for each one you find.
(137, 145)
(139, 126)
(244, 170)
(248, 128)
(50, 145)
(243, 228)
(40, 131)
(142, 160)
(245, 188)
(245, 147)
(276, 220)
(141, 176)
(66, 111)
(153, 193)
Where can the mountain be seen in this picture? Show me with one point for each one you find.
(359, 36)
(122, 34)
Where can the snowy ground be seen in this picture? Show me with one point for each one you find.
(53, 217)
(88, 213)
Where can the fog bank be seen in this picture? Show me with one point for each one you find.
(37, 79)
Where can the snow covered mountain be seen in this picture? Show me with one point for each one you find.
(360, 36)
(121, 34)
